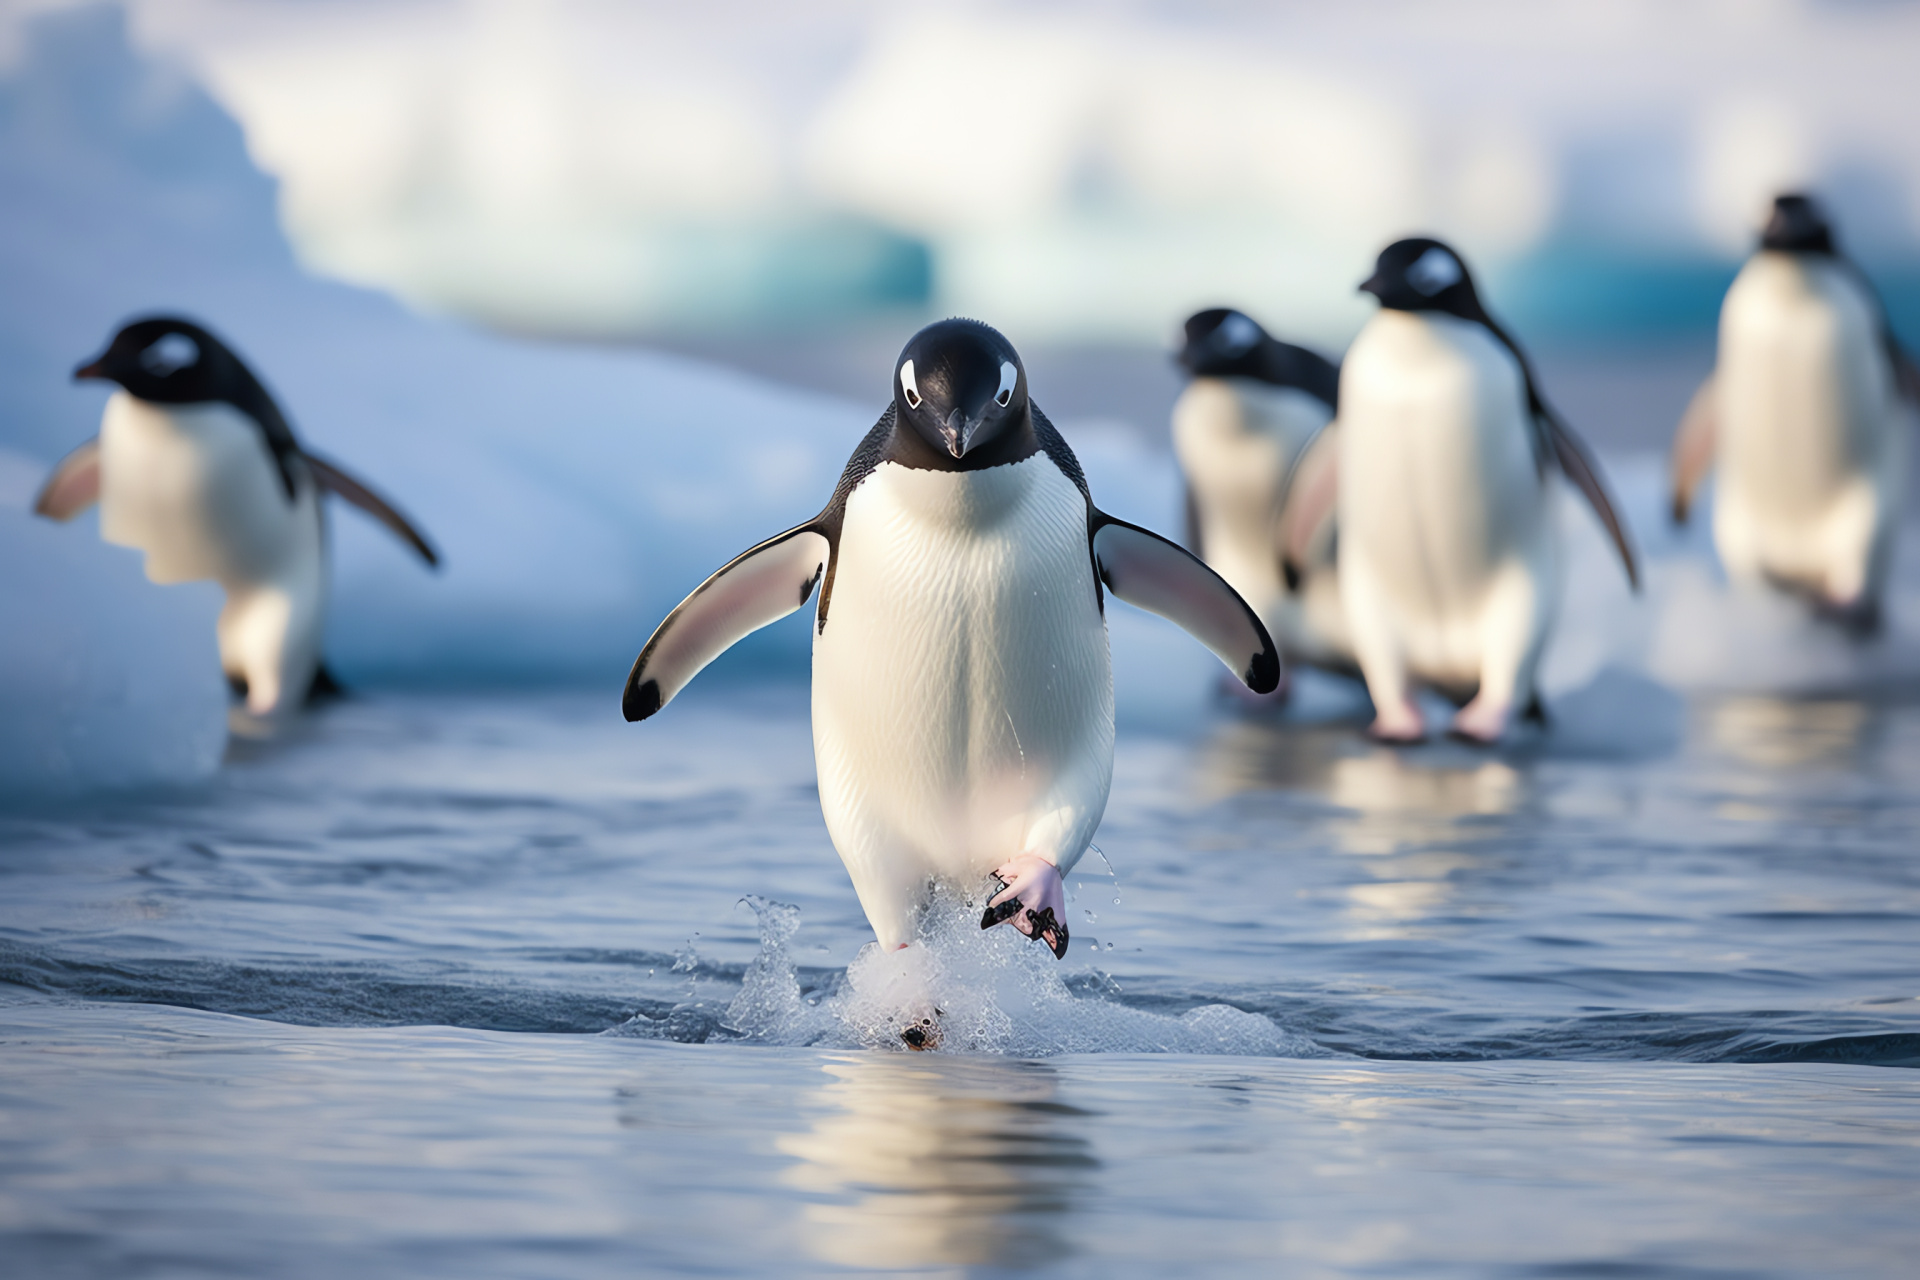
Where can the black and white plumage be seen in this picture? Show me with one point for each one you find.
(1240, 429)
(1801, 422)
(1449, 557)
(962, 687)
(196, 466)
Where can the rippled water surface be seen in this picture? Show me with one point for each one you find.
(493, 984)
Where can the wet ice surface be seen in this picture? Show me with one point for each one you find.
(465, 985)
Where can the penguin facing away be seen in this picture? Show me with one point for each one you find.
(1801, 423)
(1449, 557)
(196, 466)
(1240, 428)
(962, 687)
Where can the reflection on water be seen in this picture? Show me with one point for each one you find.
(1781, 733)
(1396, 804)
(939, 1162)
(1260, 755)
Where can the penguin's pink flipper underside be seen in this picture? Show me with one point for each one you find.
(333, 480)
(1579, 468)
(74, 485)
(1147, 571)
(1693, 446)
(1309, 499)
(760, 585)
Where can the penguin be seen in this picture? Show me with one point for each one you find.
(196, 466)
(1449, 556)
(962, 685)
(1801, 423)
(1240, 428)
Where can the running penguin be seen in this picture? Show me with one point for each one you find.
(196, 466)
(1450, 560)
(962, 688)
(1802, 423)
(1240, 429)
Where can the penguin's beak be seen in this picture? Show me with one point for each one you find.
(1374, 285)
(92, 369)
(958, 432)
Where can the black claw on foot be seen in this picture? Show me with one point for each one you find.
(1042, 925)
(1000, 913)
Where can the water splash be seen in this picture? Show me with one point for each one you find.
(983, 991)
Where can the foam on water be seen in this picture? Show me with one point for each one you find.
(969, 990)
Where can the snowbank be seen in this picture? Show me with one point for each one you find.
(577, 493)
(108, 680)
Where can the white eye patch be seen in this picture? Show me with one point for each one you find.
(1009, 378)
(170, 354)
(1433, 271)
(1236, 334)
(909, 386)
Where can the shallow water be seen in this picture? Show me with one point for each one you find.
(469, 985)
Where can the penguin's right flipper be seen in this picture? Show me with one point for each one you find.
(1693, 446)
(335, 481)
(1578, 467)
(760, 585)
(74, 485)
(1309, 499)
(1149, 572)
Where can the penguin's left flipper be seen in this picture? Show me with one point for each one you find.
(74, 485)
(1147, 571)
(1693, 446)
(333, 480)
(1309, 499)
(1578, 467)
(760, 585)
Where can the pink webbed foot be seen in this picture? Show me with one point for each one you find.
(1401, 724)
(1482, 722)
(1034, 897)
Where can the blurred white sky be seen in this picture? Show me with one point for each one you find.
(1080, 170)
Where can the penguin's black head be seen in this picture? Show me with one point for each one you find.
(167, 360)
(1218, 342)
(1798, 225)
(1423, 275)
(960, 386)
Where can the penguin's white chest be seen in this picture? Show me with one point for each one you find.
(1438, 483)
(195, 488)
(1805, 391)
(962, 690)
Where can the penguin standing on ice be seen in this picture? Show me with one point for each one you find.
(962, 688)
(1801, 423)
(1239, 429)
(1449, 557)
(196, 466)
